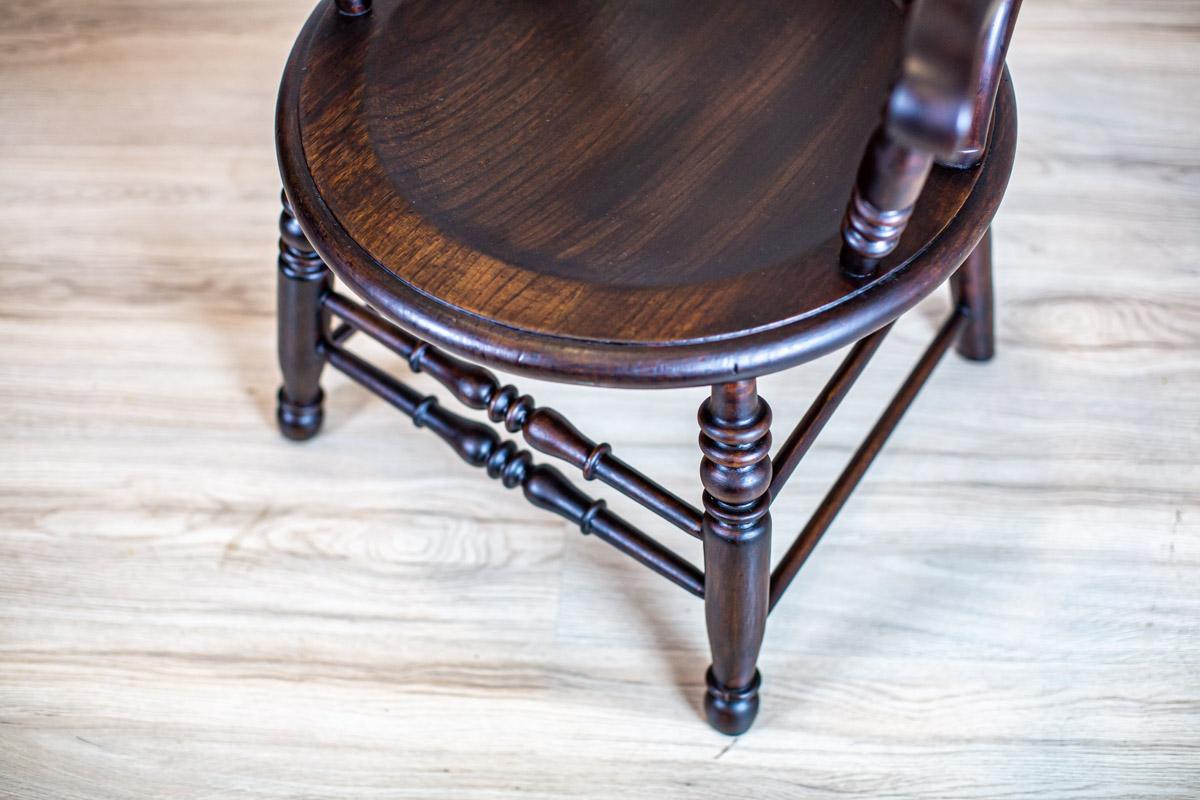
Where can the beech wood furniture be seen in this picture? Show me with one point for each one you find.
(641, 193)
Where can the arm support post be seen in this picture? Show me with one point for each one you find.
(940, 108)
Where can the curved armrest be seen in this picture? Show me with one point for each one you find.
(953, 56)
(940, 108)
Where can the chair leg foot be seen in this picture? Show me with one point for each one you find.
(299, 421)
(731, 711)
(972, 288)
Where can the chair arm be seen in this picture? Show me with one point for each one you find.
(940, 108)
(953, 58)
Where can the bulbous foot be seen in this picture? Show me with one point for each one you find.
(731, 711)
(299, 422)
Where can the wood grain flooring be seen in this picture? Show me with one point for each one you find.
(192, 608)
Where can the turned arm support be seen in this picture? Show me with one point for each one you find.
(939, 109)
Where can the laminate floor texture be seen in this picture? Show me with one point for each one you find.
(191, 607)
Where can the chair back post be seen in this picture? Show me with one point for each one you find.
(939, 109)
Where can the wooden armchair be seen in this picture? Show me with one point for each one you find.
(640, 193)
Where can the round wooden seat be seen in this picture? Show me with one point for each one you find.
(630, 192)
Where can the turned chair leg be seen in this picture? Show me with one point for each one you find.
(736, 472)
(972, 288)
(303, 279)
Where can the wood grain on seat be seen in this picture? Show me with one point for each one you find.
(571, 174)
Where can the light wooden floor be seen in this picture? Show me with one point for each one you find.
(192, 608)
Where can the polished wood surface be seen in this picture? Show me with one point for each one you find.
(735, 438)
(612, 192)
(543, 486)
(939, 109)
(1008, 608)
(544, 429)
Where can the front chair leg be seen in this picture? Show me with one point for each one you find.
(303, 280)
(972, 288)
(736, 472)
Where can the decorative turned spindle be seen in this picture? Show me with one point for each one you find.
(544, 486)
(735, 439)
(995, 50)
(544, 429)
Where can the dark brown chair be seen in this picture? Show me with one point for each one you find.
(636, 193)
